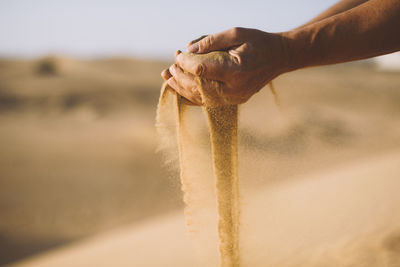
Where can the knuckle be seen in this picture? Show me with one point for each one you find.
(206, 43)
(235, 32)
(240, 61)
(210, 39)
(200, 69)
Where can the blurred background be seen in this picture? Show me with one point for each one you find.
(79, 84)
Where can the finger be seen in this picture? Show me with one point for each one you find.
(217, 42)
(177, 52)
(165, 74)
(195, 40)
(180, 90)
(187, 81)
(215, 66)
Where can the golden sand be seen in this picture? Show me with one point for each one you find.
(222, 122)
(222, 119)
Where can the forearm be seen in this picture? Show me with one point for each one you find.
(368, 30)
(337, 8)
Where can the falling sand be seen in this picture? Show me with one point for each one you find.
(223, 123)
(223, 131)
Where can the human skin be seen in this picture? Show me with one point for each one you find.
(337, 8)
(350, 30)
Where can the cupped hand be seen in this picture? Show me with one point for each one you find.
(247, 60)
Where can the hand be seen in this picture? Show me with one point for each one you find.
(247, 61)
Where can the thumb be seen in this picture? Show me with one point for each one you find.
(216, 42)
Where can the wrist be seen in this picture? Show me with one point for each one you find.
(277, 54)
(296, 54)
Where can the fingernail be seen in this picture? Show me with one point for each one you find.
(194, 48)
(177, 52)
(172, 70)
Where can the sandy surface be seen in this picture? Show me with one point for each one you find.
(78, 162)
(337, 218)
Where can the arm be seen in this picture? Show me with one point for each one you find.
(370, 29)
(339, 7)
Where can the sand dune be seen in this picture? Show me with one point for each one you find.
(344, 217)
(78, 160)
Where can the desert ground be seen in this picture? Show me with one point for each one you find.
(82, 185)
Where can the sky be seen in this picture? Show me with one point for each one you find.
(147, 29)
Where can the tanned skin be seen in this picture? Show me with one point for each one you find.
(348, 31)
(337, 8)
